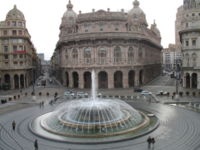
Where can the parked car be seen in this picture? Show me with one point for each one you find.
(146, 93)
(137, 90)
(69, 93)
(159, 92)
(38, 84)
(82, 94)
(99, 95)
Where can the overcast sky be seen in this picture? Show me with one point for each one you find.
(43, 17)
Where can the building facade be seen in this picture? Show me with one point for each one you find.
(190, 39)
(18, 59)
(119, 46)
(172, 56)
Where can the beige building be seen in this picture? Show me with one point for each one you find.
(119, 46)
(190, 39)
(172, 56)
(18, 59)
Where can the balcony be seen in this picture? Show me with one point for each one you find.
(98, 62)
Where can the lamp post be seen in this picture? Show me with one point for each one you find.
(177, 69)
(33, 76)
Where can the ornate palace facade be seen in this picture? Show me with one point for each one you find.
(18, 60)
(119, 46)
(190, 39)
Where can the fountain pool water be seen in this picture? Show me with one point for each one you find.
(90, 118)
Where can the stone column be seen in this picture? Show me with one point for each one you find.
(198, 81)
(19, 82)
(184, 81)
(110, 80)
(12, 83)
(24, 81)
(190, 81)
(70, 80)
(125, 79)
(136, 77)
(81, 80)
(64, 78)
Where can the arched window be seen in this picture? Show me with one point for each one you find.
(117, 55)
(130, 55)
(102, 53)
(75, 56)
(194, 59)
(87, 55)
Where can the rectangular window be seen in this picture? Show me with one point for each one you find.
(5, 41)
(5, 49)
(15, 62)
(6, 56)
(8, 23)
(186, 43)
(20, 56)
(20, 32)
(20, 40)
(14, 32)
(14, 48)
(20, 24)
(14, 41)
(20, 48)
(193, 42)
(14, 56)
(14, 23)
(5, 32)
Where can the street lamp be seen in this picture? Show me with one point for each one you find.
(33, 79)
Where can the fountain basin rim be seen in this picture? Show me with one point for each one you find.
(91, 125)
(143, 124)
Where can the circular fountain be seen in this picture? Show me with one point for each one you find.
(91, 120)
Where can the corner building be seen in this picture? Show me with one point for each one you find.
(18, 60)
(119, 46)
(190, 39)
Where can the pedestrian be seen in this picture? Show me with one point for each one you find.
(149, 142)
(13, 125)
(36, 144)
(153, 141)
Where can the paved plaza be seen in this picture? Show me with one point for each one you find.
(179, 127)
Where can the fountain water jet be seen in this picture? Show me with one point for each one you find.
(93, 91)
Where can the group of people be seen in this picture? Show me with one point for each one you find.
(150, 140)
(41, 104)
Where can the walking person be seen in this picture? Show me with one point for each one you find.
(36, 144)
(153, 141)
(149, 142)
(13, 125)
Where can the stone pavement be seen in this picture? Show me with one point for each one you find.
(178, 130)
